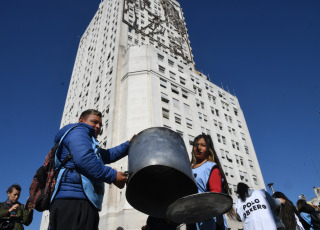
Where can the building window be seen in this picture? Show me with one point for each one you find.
(219, 137)
(250, 163)
(160, 57)
(235, 188)
(228, 156)
(184, 94)
(246, 149)
(224, 140)
(239, 160)
(233, 144)
(191, 139)
(235, 111)
(177, 118)
(163, 83)
(255, 180)
(174, 89)
(225, 105)
(205, 117)
(180, 133)
(165, 113)
(197, 80)
(200, 116)
(202, 104)
(217, 113)
(237, 146)
(231, 171)
(241, 175)
(203, 130)
(222, 153)
(180, 68)
(186, 109)
(189, 123)
(226, 171)
(175, 103)
(172, 75)
(212, 110)
(182, 81)
(239, 124)
(164, 97)
(161, 69)
(245, 176)
(171, 63)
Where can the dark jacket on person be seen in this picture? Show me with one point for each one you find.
(314, 214)
(23, 216)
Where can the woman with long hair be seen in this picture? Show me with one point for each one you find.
(309, 213)
(12, 213)
(288, 213)
(255, 207)
(209, 176)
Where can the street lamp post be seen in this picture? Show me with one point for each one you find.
(270, 185)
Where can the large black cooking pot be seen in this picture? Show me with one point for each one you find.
(161, 172)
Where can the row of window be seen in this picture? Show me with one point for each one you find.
(229, 172)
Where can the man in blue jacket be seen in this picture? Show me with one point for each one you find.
(80, 184)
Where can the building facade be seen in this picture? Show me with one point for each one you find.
(135, 65)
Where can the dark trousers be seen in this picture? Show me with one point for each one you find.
(73, 214)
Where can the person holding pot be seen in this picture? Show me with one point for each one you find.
(13, 215)
(209, 177)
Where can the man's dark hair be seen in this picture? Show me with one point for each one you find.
(14, 186)
(88, 112)
(242, 190)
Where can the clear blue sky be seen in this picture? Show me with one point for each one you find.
(267, 52)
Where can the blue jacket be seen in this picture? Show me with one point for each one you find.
(79, 142)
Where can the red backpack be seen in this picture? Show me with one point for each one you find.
(44, 181)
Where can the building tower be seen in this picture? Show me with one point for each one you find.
(135, 64)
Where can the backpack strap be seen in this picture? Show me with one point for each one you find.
(69, 156)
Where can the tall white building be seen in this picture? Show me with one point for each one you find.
(135, 64)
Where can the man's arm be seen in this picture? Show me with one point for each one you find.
(113, 154)
(86, 162)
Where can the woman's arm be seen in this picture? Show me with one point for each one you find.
(215, 181)
(3, 211)
(27, 216)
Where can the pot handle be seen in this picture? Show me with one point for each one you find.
(128, 173)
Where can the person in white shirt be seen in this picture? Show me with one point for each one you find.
(255, 208)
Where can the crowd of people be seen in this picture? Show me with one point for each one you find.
(80, 183)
